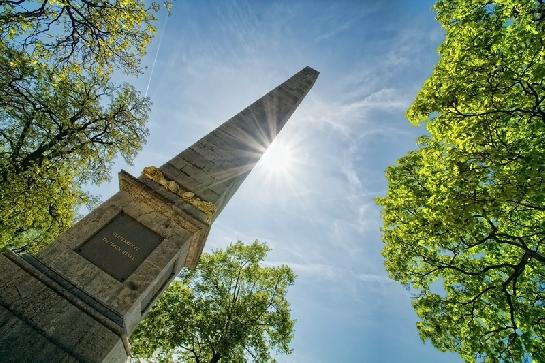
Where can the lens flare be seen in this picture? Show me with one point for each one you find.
(278, 159)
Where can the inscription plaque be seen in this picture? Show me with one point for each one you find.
(120, 246)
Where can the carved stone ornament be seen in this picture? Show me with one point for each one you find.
(156, 175)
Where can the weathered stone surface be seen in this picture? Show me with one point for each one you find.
(18, 339)
(64, 325)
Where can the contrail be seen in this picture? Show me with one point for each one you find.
(156, 53)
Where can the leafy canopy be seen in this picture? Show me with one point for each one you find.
(62, 119)
(106, 34)
(230, 308)
(464, 214)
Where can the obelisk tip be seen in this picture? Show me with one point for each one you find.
(310, 70)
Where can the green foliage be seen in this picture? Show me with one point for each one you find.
(36, 206)
(464, 214)
(62, 119)
(229, 308)
(103, 33)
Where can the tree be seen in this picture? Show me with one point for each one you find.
(464, 214)
(230, 308)
(105, 34)
(62, 119)
(37, 206)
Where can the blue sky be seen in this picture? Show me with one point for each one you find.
(216, 57)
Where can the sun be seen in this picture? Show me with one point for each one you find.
(279, 158)
(282, 171)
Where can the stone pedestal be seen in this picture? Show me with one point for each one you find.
(114, 275)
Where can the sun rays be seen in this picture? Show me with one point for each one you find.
(282, 172)
(278, 160)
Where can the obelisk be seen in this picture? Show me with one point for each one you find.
(82, 296)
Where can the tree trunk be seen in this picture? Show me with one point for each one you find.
(215, 358)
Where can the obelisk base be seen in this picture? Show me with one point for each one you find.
(42, 320)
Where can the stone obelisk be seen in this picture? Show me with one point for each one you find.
(82, 296)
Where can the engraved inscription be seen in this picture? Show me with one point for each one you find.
(120, 246)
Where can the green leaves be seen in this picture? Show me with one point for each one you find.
(101, 34)
(229, 308)
(62, 119)
(464, 213)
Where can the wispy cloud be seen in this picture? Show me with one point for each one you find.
(340, 23)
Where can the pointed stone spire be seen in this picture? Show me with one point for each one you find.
(214, 167)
